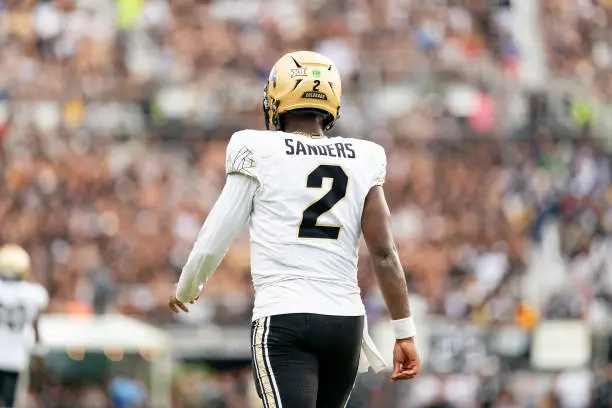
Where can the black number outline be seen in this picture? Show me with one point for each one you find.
(317, 83)
(13, 317)
(309, 226)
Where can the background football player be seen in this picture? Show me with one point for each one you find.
(21, 303)
(308, 198)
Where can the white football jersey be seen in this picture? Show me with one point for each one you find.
(306, 219)
(20, 304)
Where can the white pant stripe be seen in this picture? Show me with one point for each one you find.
(269, 366)
(258, 374)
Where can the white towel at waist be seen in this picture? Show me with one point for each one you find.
(370, 356)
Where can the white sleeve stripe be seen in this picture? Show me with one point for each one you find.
(223, 223)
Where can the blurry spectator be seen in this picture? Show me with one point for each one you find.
(440, 402)
(549, 401)
(127, 392)
(505, 399)
(573, 388)
(102, 289)
(602, 396)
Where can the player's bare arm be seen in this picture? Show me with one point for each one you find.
(37, 355)
(38, 352)
(376, 229)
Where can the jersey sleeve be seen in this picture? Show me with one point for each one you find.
(40, 297)
(223, 223)
(240, 155)
(379, 166)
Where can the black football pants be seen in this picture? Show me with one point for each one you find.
(305, 360)
(8, 388)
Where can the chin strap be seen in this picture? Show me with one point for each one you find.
(266, 107)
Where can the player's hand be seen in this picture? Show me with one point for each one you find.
(406, 363)
(176, 305)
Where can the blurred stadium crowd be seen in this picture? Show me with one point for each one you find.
(115, 115)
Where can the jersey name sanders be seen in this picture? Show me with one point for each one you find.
(297, 148)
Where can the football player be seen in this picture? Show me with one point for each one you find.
(308, 198)
(21, 302)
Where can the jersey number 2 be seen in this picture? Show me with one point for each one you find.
(309, 227)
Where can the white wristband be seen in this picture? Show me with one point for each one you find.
(404, 328)
(39, 350)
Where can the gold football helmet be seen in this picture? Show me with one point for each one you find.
(14, 262)
(302, 81)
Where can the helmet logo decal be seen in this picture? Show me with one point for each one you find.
(298, 72)
(316, 73)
